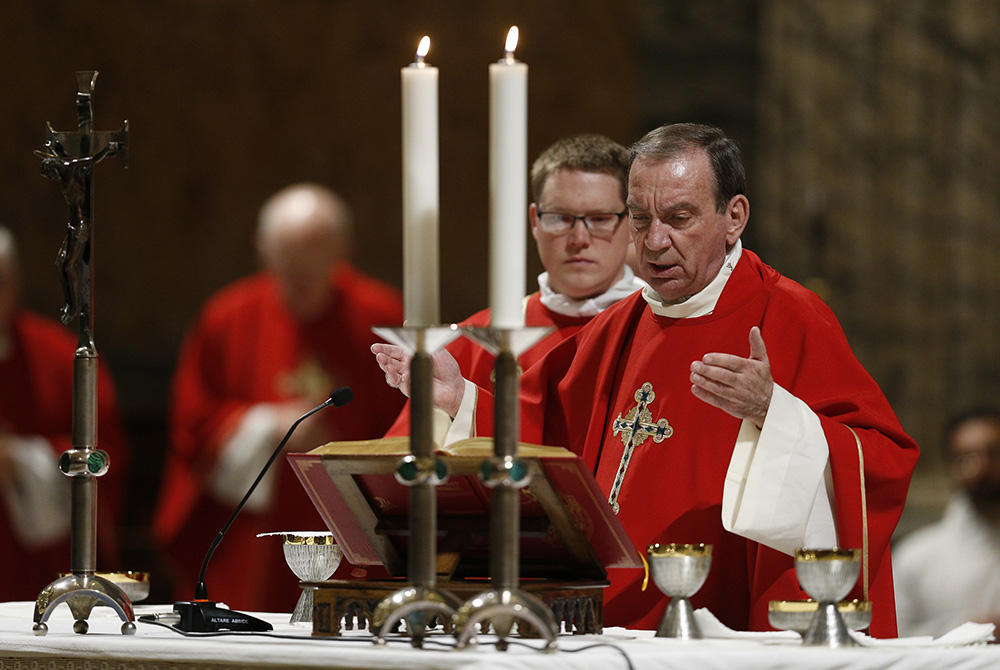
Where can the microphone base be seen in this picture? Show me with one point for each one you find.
(204, 616)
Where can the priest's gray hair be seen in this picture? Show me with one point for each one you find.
(306, 201)
(670, 141)
(587, 153)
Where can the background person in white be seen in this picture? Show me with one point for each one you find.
(949, 572)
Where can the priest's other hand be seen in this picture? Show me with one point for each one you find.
(740, 386)
(448, 385)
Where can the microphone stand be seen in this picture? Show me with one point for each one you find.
(202, 615)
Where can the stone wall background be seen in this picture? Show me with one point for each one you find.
(878, 170)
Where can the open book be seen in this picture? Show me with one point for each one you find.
(481, 447)
(568, 529)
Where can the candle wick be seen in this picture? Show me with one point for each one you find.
(508, 58)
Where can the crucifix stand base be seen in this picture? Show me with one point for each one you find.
(81, 592)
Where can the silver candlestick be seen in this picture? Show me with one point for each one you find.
(420, 602)
(504, 603)
(70, 158)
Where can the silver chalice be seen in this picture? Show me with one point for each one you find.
(679, 570)
(798, 615)
(312, 556)
(828, 575)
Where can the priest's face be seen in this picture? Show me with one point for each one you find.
(680, 238)
(582, 262)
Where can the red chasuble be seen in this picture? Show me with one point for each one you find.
(477, 363)
(245, 349)
(36, 399)
(628, 360)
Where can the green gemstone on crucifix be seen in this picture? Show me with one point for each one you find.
(635, 427)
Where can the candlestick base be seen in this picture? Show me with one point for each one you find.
(501, 609)
(81, 592)
(420, 607)
(419, 338)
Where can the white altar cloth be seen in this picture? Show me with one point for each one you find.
(155, 648)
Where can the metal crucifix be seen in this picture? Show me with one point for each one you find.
(635, 427)
(69, 157)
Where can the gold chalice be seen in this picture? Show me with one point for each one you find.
(679, 570)
(828, 575)
(312, 556)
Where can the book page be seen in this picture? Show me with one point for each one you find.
(481, 447)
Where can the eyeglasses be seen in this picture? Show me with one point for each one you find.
(599, 225)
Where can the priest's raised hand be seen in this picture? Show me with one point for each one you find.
(740, 386)
(449, 386)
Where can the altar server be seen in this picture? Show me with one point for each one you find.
(949, 572)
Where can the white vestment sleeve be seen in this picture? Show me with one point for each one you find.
(463, 424)
(242, 457)
(779, 489)
(38, 500)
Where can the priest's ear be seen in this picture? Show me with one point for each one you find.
(737, 215)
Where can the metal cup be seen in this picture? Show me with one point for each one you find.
(679, 570)
(312, 556)
(828, 575)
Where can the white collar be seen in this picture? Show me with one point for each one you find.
(701, 303)
(561, 304)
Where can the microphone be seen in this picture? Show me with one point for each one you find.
(201, 615)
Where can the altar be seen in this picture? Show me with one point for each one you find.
(293, 646)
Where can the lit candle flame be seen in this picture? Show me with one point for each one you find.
(511, 43)
(423, 48)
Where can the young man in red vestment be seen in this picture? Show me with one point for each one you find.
(264, 351)
(36, 422)
(693, 439)
(578, 189)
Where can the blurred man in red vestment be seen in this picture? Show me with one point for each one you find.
(695, 429)
(576, 217)
(36, 421)
(265, 350)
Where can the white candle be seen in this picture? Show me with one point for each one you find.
(508, 186)
(420, 190)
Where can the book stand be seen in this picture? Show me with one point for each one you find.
(567, 533)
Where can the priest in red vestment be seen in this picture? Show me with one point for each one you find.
(36, 423)
(264, 351)
(721, 405)
(579, 179)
